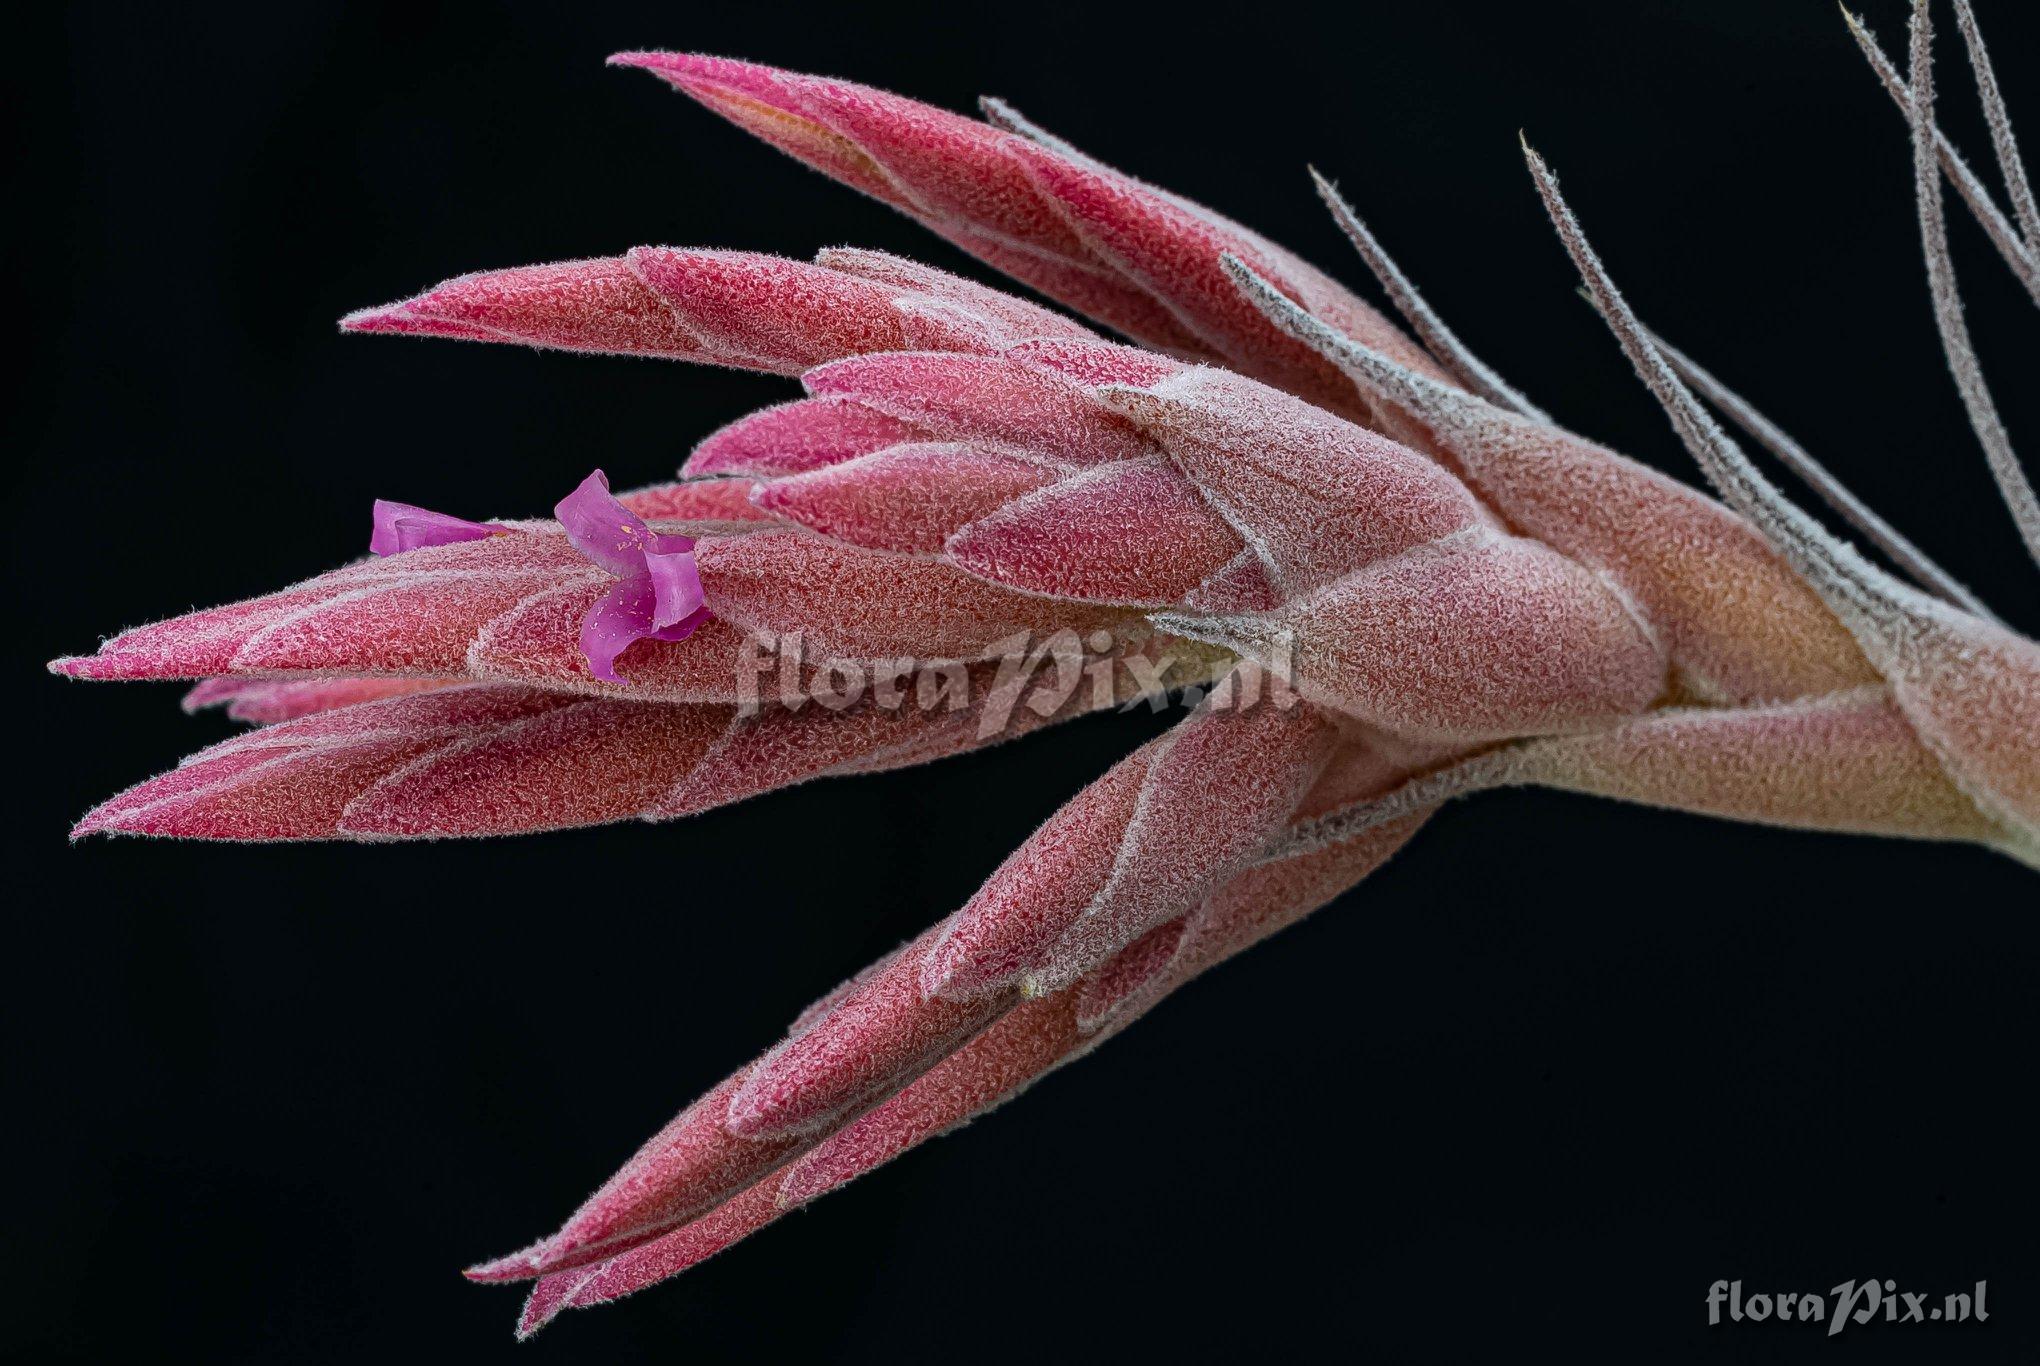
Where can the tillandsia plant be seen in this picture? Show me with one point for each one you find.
(1383, 575)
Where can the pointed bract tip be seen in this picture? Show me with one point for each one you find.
(672, 65)
(109, 666)
(1278, 307)
(1224, 632)
(549, 1298)
(124, 816)
(211, 692)
(379, 319)
(521, 1265)
(407, 318)
(1007, 119)
(684, 69)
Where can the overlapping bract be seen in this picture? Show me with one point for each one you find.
(911, 1049)
(733, 308)
(1277, 489)
(1136, 258)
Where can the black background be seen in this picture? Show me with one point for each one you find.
(1552, 1072)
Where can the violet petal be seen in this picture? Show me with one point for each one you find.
(400, 527)
(603, 529)
(619, 620)
(676, 587)
(682, 628)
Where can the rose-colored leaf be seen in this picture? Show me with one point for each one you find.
(1971, 690)
(866, 604)
(413, 613)
(795, 437)
(1041, 888)
(1319, 496)
(295, 780)
(695, 500)
(1737, 621)
(596, 761)
(1136, 532)
(1171, 249)
(741, 309)
(990, 401)
(688, 1166)
(1243, 771)
(907, 498)
(596, 305)
(1481, 637)
(1096, 363)
(883, 1033)
(1843, 761)
(1138, 259)
(265, 701)
(1122, 857)
(788, 314)
(1018, 317)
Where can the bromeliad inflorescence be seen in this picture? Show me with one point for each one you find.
(1275, 478)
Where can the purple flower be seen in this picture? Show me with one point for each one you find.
(658, 593)
(400, 527)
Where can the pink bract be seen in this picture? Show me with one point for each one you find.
(1388, 578)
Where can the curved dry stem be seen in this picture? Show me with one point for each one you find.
(1915, 562)
(1865, 597)
(1955, 340)
(1443, 344)
(1909, 637)
(2017, 187)
(1004, 116)
(1395, 382)
(2018, 254)
(1846, 581)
